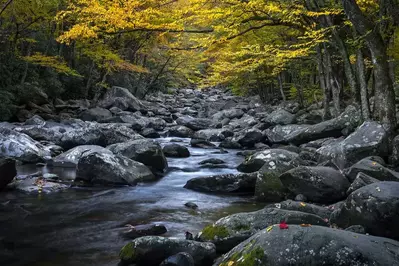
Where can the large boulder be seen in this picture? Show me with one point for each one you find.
(180, 259)
(228, 183)
(270, 164)
(280, 117)
(120, 98)
(7, 171)
(375, 207)
(347, 121)
(95, 114)
(321, 211)
(231, 230)
(145, 151)
(272, 157)
(194, 123)
(111, 169)
(117, 133)
(360, 181)
(318, 184)
(374, 167)
(250, 138)
(212, 134)
(176, 150)
(152, 250)
(180, 132)
(313, 245)
(278, 133)
(371, 138)
(71, 157)
(21, 147)
(87, 135)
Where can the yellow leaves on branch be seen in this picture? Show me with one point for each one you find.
(54, 62)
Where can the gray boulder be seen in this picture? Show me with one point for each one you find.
(180, 259)
(280, 117)
(152, 250)
(95, 114)
(112, 169)
(21, 147)
(314, 245)
(375, 207)
(271, 157)
(231, 230)
(360, 181)
(374, 167)
(321, 211)
(278, 133)
(319, 184)
(71, 157)
(145, 151)
(180, 132)
(371, 138)
(176, 150)
(121, 98)
(228, 183)
(347, 121)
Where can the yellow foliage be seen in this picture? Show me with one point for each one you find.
(53, 62)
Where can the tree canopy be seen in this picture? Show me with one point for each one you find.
(304, 50)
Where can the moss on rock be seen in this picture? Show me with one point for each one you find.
(210, 232)
(245, 258)
(127, 253)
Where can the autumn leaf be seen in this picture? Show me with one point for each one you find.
(283, 225)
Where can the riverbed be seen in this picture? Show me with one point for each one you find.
(85, 225)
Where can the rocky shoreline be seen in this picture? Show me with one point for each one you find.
(332, 184)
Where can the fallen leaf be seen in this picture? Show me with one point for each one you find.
(303, 204)
(283, 225)
(306, 225)
(230, 263)
(374, 163)
(269, 228)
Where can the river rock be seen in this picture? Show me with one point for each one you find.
(227, 183)
(230, 144)
(372, 166)
(71, 157)
(375, 207)
(112, 169)
(371, 138)
(176, 150)
(200, 143)
(314, 245)
(229, 231)
(150, 133)
(7, 171)
(95, 114)
(152, 250)
(347, 121)
(145, 230)
(89, 135)
(272, 157)
(280, 117)
(194, 123)
(121, 98)
(145, 151)
(318, 184)
(117, 133)
(361, 180)
(180, 259)
(34, 184)
(321, 211)
(250, 138)
(21, 147)
(180, 132)
(278, 133)
(212, 134)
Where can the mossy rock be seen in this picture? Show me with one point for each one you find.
(127, 253)
(211, 232)
(245, 258)
(269, 187)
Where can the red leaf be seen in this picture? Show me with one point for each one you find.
(283, 225)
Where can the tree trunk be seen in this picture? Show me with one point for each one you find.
(322, 80)
(364, 100)
(332, 82)
(385, 96)
(280, 83)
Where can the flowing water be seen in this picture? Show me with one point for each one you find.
(85, 225)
